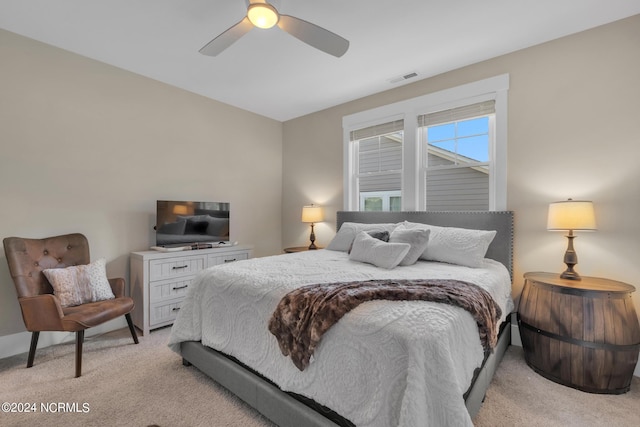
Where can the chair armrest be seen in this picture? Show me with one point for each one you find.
(117, 286)
(42, 313)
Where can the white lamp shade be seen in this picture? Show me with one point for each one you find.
(312, 214)
(571, 215)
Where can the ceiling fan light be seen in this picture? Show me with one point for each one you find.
(262, 15)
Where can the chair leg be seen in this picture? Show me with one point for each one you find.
(132, 329)
(32, 349)
(79, 341)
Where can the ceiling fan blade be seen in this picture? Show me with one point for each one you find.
(227, 38)
(313, 35)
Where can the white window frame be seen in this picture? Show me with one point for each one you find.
(413, 176)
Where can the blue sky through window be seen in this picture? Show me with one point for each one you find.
(469, 138)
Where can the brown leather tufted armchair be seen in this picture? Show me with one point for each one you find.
(41, 309)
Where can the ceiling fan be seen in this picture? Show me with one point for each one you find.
(263, 15)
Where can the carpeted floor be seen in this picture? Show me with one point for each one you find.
(144, 385)
(520, 397)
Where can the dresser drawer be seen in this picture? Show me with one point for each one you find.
(160, 280)
(165, 311)
(226, 258)
(176, 267)
(169, 289)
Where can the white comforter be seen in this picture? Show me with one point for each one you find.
(386, 363)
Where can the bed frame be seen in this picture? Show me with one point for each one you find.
(289, 410)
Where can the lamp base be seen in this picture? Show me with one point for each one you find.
(312, 237)
(570, 259)
(570, 275)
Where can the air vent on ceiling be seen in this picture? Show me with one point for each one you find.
(405, 77)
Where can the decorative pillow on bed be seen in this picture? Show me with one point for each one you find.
(81, 283)
(459, 246)
(418, 238)
(376, 234)
(344, 237)
(373, 251)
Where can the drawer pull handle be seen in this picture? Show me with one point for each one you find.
(230, 260)
(175, 309)
(178, 267)
(180, 287)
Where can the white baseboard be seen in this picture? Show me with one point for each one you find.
(10, 345)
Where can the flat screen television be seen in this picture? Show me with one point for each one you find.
(189, 223)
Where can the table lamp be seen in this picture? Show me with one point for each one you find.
(571, 215)
(312, 214)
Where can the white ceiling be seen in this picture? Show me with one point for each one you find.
(274, 74)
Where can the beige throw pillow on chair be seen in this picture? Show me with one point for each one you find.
(80, 284)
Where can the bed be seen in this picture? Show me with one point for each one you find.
(382, 364)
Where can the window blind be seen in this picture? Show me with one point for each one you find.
(456, 114)
(376, 130)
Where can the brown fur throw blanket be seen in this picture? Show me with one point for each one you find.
(306, 313)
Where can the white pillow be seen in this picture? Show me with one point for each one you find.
(459, 246)
(373, 251)
(348, 230)
(418, 238)
(81, 283)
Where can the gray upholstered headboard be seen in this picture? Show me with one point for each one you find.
(501, 249)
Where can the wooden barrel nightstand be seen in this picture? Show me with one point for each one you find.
(297, 249)
(583, 334)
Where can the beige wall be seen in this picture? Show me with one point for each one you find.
(88, 147)
(573, 131)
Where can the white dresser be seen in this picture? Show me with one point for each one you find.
(159, 280)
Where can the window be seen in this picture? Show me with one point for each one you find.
(378, 169)
(380, 201)
(442, 151)
(456, 165)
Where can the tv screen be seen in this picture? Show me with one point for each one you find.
(185, 223)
